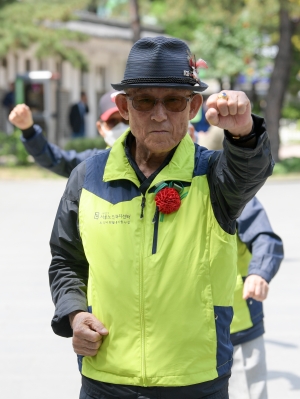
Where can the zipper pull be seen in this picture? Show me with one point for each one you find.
(155, 217)
(143, 206)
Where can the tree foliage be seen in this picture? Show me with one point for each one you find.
(27, 22)
(222, 33)
(233, 35)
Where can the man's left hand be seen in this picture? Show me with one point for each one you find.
(255, 287)
(232, 113)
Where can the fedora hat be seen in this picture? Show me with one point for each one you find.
(161, 62)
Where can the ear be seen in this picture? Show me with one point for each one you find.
(99, 128)
(121, 103)
(196, 103)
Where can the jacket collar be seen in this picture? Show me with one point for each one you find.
(180, 167)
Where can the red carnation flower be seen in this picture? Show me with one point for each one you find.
(168, 200)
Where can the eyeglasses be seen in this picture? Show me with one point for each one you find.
(145, 102)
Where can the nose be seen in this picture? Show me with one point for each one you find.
(159, 112)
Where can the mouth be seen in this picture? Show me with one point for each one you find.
(159, 131)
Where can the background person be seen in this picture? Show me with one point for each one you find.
(77, 116)
(166, 331)
(110, 124)
(52, 157)
(260, 253)
(200, 122)
(8, 103)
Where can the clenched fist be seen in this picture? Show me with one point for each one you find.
(255, 287)
(21, 117)
(88, 332)
(230, 110)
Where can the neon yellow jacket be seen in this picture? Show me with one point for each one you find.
(167, 308)
(242, 318)
(260, 252)
(164, 290)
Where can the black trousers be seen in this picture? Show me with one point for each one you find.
(215, 389)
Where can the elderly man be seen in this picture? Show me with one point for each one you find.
(256, 240)
(143, 244)
(253, 228)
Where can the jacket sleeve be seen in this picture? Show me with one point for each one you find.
(52, 157)
(254, 230)
(236, 174)
(68, 272)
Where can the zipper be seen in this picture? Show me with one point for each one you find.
(141, 293)
(143, 203)
(155, 220)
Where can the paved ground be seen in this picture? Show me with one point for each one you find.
(35, 364)
(281, 199)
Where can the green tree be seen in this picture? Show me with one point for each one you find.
(27, 22)
(230, 36)
(288, 20)
(218, 32)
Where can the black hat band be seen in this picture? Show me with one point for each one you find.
(167, 79)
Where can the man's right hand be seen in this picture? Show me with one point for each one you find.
(21, 117)
(87, 333)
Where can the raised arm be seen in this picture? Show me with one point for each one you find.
(45, 154)
(240, 170)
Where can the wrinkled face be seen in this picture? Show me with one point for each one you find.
(158, 130)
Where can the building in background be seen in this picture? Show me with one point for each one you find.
(106, 51)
